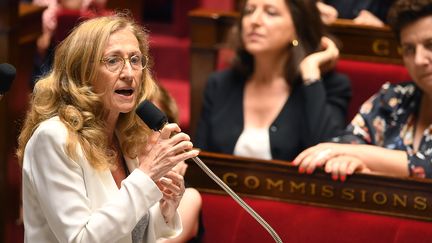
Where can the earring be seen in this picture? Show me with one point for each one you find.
(294, 42)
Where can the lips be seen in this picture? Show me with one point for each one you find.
(125, 91)
(254, 35)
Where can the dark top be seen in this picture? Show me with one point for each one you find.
(388, 120)
(311, 114)
(349, 9)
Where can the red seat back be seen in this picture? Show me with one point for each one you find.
(367, 78)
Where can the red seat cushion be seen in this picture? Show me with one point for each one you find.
(225, 221)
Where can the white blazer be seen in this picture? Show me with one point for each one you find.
(69, 201)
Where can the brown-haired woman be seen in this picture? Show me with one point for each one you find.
(279, 97)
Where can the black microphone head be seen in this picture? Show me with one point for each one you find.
(7, 75)
(154, 118)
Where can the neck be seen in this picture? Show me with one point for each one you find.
(111, 122)
(270, 67)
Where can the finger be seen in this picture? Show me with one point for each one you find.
(342, 168)
(179, 137)
(308, 163)
(330, 48)
(356, 165)
(180, 148)
(335, 170)
(168, 129)
(320, 159)
(173, 183)
(299, 159)
(330, 166)
(175, 177)
(168, 187)
(184, 155)
(325, 42)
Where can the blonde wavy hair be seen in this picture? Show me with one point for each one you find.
(67, 92)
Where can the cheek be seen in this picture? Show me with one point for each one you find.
(288, 30)
(409, 64)
(101, 82)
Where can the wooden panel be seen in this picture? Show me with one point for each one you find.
(208, 31)
(20, 25)
(278, 180)
(30, 23)
(366, 43)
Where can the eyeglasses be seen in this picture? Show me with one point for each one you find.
(116, 63)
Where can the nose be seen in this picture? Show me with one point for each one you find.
(256, 16)
(422, 55)
(127, 70)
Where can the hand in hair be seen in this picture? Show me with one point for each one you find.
(318, 62)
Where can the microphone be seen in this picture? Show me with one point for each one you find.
(7, 75)
(155, 119)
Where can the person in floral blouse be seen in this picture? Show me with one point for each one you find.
(392, 133)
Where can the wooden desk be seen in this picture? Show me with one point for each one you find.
(366, 43)
(278, 180)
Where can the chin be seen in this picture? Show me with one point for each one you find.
(126, 108)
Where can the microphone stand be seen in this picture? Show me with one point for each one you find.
(240, 201)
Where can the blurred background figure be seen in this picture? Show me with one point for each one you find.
(281, 95)
(366, 12)
(45, 43)
(392, 133)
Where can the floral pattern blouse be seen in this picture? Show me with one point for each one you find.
(388, 120)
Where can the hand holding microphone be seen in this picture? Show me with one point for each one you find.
(166, 152)
(157, 121)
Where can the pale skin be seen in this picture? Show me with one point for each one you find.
(344, 159)
(167, 150)
(268, 30)
(328, 13)
(367, 18)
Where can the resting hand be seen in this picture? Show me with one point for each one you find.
(312, 65)
(172, 188)
(328, 13)
(367, 18)
(341, 166)
(336, 158)
(317, 156)
(163, 153)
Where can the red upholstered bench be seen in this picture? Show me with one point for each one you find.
(227, 222)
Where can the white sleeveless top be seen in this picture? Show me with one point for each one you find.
(254, 142)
